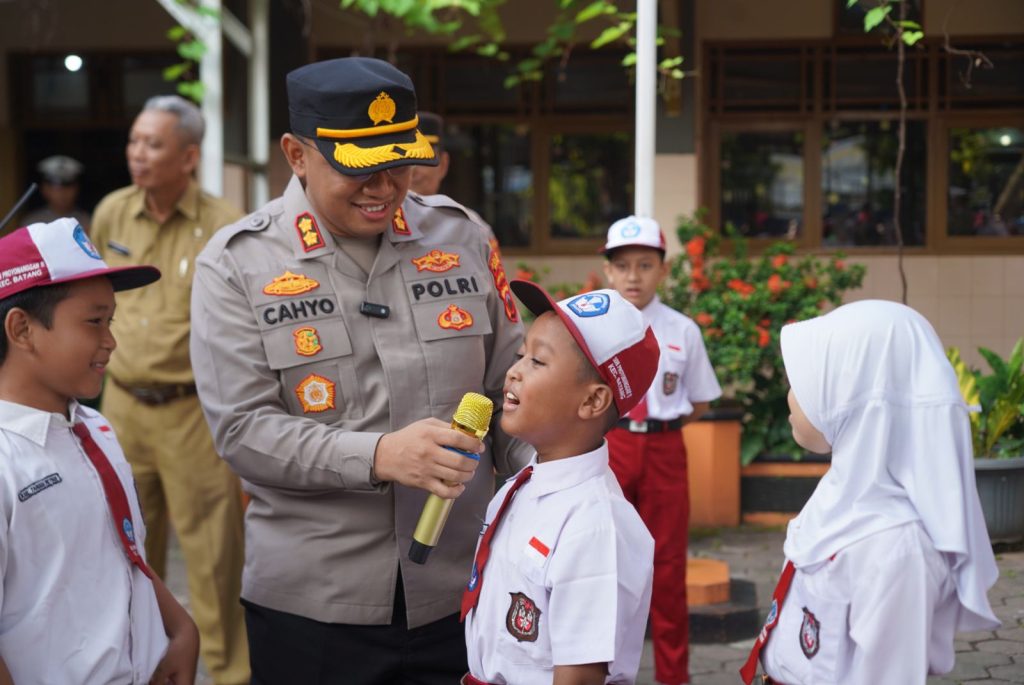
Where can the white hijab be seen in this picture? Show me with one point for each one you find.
(873, 378)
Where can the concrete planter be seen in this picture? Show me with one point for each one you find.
(773, 489)
(1001, 491)
(713, 468)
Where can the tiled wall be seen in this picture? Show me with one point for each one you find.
(972, 301)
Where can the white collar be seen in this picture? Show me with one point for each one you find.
(31, 423)
(562, 474)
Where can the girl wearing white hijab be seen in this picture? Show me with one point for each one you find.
(891, 557)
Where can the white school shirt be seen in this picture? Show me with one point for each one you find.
(568, 580)
(73, 608)
(685, 374)
(883, 611)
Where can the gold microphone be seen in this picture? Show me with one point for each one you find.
(473, 417)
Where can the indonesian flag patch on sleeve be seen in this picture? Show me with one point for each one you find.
(537, 550)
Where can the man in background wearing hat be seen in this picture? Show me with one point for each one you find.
(335, 332)
(58, 184)
(165, 219)
(426, 180)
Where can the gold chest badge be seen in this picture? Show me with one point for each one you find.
(288, 284)
(315, 393)
(309, 232)
(381, 109)
(307, 341)
(436, 261)
(455, 318)
(398, 223)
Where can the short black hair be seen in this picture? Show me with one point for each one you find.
(586, 373)
(39, 303)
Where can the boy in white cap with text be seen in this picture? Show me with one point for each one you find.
(646, 446)
(561, 581)
(78, 602)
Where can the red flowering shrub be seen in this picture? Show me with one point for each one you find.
(740, 302)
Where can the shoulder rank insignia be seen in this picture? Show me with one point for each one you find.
(307, 341)
(523, 618)
(501, 281)
(398, 223)
(309, 232)
(381, 109)
(436, 261)
(455, 318)
(315, 393)
(290, 284)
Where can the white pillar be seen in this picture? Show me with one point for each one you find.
(259, 103)
(646, 101)
(210, 73)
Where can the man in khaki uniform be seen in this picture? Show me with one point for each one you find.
(165, 219)
(335, 331)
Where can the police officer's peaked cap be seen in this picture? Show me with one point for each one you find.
(432, 128)
(361, 113)
(60, 169)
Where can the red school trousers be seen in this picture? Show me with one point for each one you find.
(651, 469)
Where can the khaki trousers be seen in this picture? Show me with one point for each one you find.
(180, 478)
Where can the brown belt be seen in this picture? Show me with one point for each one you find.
(157, 394)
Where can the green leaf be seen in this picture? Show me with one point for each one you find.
(629, 60)
(911, 37)
(876, 16)
(192, 50)
(174, 72)
(511, 81)
(594, 10)
(464, 42)
(346, 4)
(205, 11)
(611, 34)
(676, 73)
(850, 3)
(908, 24)
(489, 50)
(176, 33)
(670, 62)
(193, 90)
(370, 7)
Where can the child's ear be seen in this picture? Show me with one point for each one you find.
(597, 401)
(18, 329)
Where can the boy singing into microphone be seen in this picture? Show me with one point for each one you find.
(78, 603)
(561, 582)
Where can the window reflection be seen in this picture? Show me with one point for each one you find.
(762, 183)
(591, 183)
(986, 181)
(857, 167)
(490, 172)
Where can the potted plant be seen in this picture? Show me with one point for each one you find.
(997, 434)
(740, 301)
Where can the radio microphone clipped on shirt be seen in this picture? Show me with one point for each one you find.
(473, 417)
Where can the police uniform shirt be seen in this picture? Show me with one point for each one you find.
(73, 608)
(848, 620)
(685, 374)
(298, 386)
(152, 323)
(568, 580)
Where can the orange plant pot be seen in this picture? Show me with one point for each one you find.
(713, 462)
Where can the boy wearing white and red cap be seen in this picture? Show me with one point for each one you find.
(78, 602)
(646, 447)
(561, 580)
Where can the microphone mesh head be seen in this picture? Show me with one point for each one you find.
(474, 412)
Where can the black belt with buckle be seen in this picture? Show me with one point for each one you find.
(155, 395)
(651, 425)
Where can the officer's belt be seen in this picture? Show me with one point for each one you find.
(158, 393)
(650, 426)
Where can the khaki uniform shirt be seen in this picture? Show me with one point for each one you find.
(298, 387)
(152, 323)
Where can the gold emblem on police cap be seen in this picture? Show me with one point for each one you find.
(382, 109)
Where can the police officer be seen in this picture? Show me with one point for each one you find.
(426, 180)
(58, 184)
(335, 331)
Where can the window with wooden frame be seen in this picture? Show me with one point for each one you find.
(822, 118)
(548, 164)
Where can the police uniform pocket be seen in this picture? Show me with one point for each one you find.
(317, 369)
(451, 332)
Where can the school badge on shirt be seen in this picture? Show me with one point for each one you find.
(523, 618)
(809, 634)
(669, 382)
(315, 393)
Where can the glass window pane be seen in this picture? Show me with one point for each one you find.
(591, 80)
(986, 181)
(857, 182)
(490, 171)
(762, 183)
(56, 91)
(591, 182)
(764, 78)
(142, 78)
